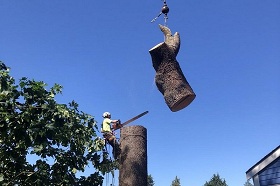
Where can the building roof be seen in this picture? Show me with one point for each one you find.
(264, 162)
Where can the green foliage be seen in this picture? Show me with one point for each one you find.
(216, 181)
(176, 182)
(248, 183)
(150, 180)
(60, 137)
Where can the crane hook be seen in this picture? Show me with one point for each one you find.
(164, 10)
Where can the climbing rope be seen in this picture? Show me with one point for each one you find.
(113, 171)
(164, 10)
(108, 149)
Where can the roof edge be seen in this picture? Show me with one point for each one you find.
(265, 161)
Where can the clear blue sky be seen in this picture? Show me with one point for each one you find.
(98, 50)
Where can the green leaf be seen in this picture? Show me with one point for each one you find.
(38, 148)
(74, 170)
(50, 126)
(3, 66)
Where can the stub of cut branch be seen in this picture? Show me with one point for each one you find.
(169, 78)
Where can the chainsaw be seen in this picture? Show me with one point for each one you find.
(119, 125)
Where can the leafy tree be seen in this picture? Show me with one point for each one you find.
(150, 180)
(248, 183)
(216, 181)
(176, 182)
(59, 137)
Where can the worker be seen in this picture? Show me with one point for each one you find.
(108, 134)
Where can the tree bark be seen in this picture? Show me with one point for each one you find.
(169, 78)
(133, 159)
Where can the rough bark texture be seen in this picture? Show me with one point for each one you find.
(133, 159)
(170, 79)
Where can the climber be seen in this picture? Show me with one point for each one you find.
(108, 134)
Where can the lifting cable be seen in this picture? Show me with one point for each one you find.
(164, 10)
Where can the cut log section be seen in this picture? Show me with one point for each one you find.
(169, 78)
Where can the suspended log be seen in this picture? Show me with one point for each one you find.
(169, 78)
(133, 159)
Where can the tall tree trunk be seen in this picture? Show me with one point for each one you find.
(133, 159)
(169, 78)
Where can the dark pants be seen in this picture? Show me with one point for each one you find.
(111, 139)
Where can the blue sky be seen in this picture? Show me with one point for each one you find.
(98, 51)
